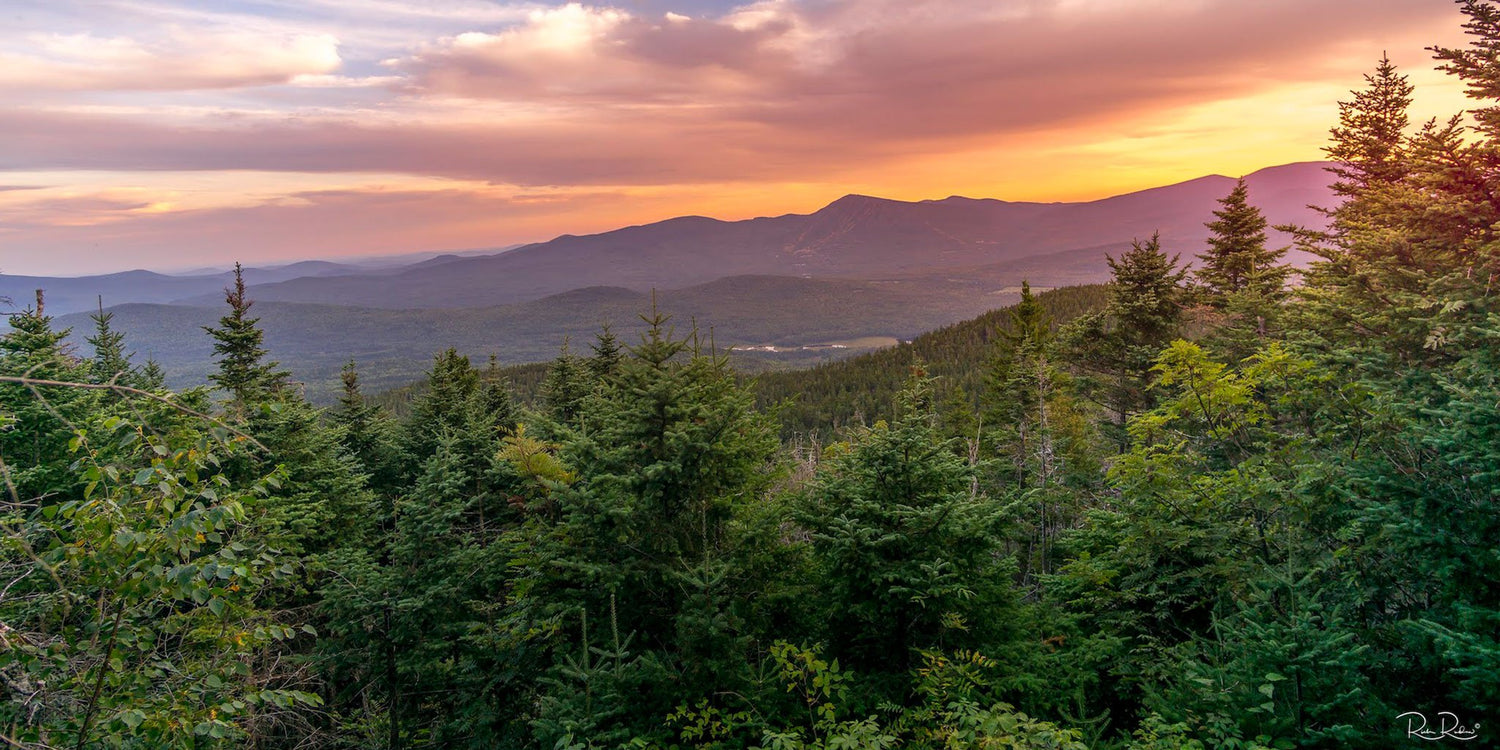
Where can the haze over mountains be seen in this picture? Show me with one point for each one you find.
(882, 268)
(853, 237)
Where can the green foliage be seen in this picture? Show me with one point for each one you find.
(1113, 349)
(907, 549)
(1293, 544)
(1237, 259)
(132, 612)
(667, 453)
(238, 343)
(111, 361)
(35, 442)
(814, 403)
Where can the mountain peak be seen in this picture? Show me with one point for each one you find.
(853, 200)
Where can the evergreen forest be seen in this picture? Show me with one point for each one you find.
(1225, 504)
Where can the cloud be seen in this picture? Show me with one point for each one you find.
(174, 59)
(776, 89)
(626, 149)
(904, 69)
(359, 220)
(584, 55)
(1022, 98)
(72, 210)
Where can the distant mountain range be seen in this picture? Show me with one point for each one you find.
(860, 269)
(69, 294)
(854, 237)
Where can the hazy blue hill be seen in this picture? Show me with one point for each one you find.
(65, 295)
(394, 346)
(73, 294)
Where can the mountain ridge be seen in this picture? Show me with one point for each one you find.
(855, 236)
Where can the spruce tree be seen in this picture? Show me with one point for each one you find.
(566, 385)
(1237, 259)
(239, 346)
(907, 552)
(1114, 349)
(1368, 143)
(111, 361)
(607, 355)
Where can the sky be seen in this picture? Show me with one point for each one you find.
(170, 134)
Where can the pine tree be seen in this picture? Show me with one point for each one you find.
(565, 387)
(1368, 143)
(607, 355)
(907, 553)
(111, 362)
(1115, 348)
(238, 343)
(1237, 260)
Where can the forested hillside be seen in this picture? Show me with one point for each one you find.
(863, 388)
(1190, 509)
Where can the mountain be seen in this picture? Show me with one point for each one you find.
(980, 240)
(981, 243)
(74, 294)
(861, 272)
(778, 315)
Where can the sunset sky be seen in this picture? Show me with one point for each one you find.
(169, 134)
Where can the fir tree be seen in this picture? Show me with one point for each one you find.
(238, 343)
(1029, 321)
(152, 377)
(906, 549)
(565, 387)
(1114, 349)
(111, 362)
(1146, 295)
(1368, 143)
(442, 407)
(670, 453)
(607, 355)
(34, 442)
(367, 434)
(1237, 259)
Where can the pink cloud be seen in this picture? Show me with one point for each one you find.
(177, 59)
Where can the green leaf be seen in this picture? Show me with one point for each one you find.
(216, 605)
